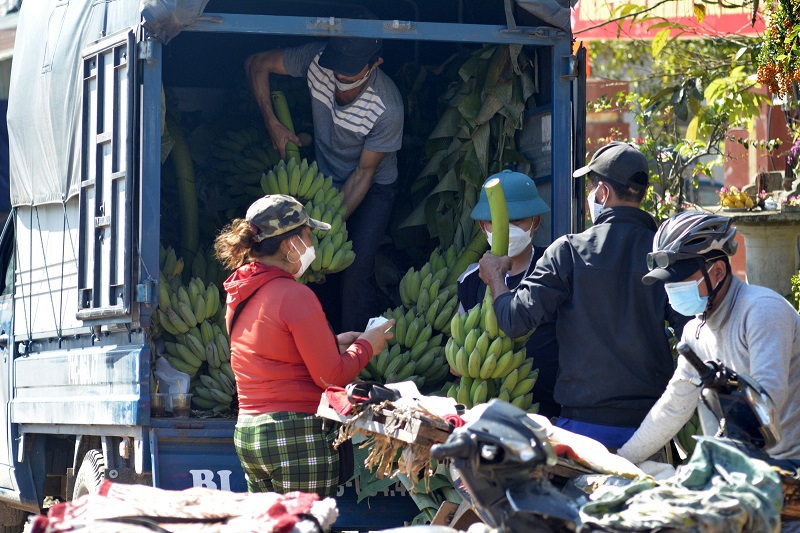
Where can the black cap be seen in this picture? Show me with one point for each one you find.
(681, 270)
(349, 55)
(619, 162)
(678, 271)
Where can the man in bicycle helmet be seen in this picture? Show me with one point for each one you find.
(751, 329)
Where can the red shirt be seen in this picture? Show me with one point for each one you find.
(283, 351)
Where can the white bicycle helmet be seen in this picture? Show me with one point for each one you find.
(685, 242)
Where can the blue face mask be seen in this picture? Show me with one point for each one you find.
(684, 297)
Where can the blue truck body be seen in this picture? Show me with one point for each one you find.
(79, 256)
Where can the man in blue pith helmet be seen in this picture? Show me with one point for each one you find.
(614, 358)
(525, 210)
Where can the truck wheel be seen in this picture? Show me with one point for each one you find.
(12, 520)
(90, 474)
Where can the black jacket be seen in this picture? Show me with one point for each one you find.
(614, 355)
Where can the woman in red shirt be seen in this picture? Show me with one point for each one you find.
(283, 351)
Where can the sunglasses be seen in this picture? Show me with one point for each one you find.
(665, 259)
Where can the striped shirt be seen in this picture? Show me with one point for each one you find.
(373, 121)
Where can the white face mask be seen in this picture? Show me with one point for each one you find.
(342, 86)
(518, 239)
(306, 258)
(596, 208)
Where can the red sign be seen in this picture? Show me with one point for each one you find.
(590, 19)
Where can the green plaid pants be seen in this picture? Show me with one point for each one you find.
(284, 452)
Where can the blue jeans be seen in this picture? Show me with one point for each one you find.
(366, 228)
(612, 437)
(349, 297)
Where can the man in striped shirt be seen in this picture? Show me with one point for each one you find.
(358, 128)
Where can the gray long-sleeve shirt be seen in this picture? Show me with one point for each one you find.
(754, 331)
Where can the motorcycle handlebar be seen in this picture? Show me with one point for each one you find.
(702, 368)
(455, 448)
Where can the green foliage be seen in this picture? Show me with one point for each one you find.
(779, 60)
(685, 96)
(474, 138)
(794, 297)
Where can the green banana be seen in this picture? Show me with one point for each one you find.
(457, 329)
(474, 364)
(473, 317)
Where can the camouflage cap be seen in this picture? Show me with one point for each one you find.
(275, 214)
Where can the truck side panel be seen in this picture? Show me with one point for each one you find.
(46, 286)
(95, 386)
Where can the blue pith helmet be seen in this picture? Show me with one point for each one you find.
(522, 198)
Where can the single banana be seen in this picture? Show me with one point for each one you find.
(196, 346)
(228, 371)
(211, 355)
(412, 332)
(510, 381)
(474, 364)
(425, 332)
(294, 181)
(211, 299)
(488, 366)
(188, 356)
(462, 362)
(166, 323)
(491, 326)
(471, 340)
(186, 314)
(457, 332)
(473, 317)
(480, 394)
(177, 322)
(503, 366)
(283, 180)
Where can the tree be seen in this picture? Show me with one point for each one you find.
(779, 60)
(685, 95)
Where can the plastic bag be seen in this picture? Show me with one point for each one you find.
(170, 381)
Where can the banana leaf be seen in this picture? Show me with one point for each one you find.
(491, 106)
(471, 171)
(417, 217)
(480, 141)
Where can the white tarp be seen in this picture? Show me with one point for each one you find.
(44, 110)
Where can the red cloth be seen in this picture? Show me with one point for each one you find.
(454, 420)
(338, 400)
(204, 510)
(283, 351)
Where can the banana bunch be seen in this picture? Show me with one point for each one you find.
(238, 160)
(413, 282)
(413, 354)
(481, 353)
(215, 390)
(514, 388)
(323, 202)
(183, 313)
(207, 268)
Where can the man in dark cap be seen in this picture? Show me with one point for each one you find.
(613, 352)
(358, 128)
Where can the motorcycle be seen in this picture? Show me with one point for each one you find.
(497, 463)
(738, 410)
(737, 407)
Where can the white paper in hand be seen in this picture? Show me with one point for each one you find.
(376, 322)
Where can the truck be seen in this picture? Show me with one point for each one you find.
(79, 255)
